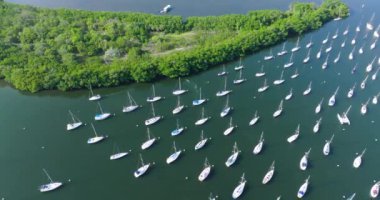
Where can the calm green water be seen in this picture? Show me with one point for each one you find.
(33, 136)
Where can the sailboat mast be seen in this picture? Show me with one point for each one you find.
(93, 128)
(154, 114)
(100, 107)
(51, 181)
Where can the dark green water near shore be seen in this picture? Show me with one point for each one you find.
(33, 135)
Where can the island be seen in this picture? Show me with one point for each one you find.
(67, 49)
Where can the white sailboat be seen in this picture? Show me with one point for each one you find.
(255, 119)
(324, 65)
(102, 115)
(308, 89)
(174, 156)
(361, 49)
(317, 125)
(369, 25)
(118, 153)
(239, 67)
(336, 34)
(264, 87)
(178, 108)
(223, 72)
(203, 119)
(279, 110)
(289, 96)
(224, 91)
(358, 160)
(283, 51)
(295, 135)
(154, 119)
(132, 104)
(295, 74)
(327, 146)
(93, 97)
(370, 65)
(351, 92)
(290, 63)
(281, 80)
(261, 72)
(319, 106)
(179, 91)
(268, 176)
(97, 138)
(345, 32)
(319, 52)
(357, 29)
(375, 98)
(230, 128)
(351, 197)
(310, 43)
(178, 130)
(374, 75)
(363, 83)
(270, 56)
(351, 55)
(336, 60)
(328, 49)
(240, 188)
(324, 41)
(154, 98)
(226, 108)
(297, 47)
(307, 58)
(199, 101)
(353, 70)
(343, 118)
(259, 145)
(75, 122)
(303, 189)
(142, 169)
(52, 185)
(376, 32)
(304, 160)
(240, 79)
(205, 171)
(343, 43)
(233, 157)
(332, 99)
(201, 143)
(353, 41)
(363, 109)
(373, 45)
(149, 141)
(375, 190)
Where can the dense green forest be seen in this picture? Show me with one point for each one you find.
(68, 49)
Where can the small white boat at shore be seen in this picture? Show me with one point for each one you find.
(375, 190)
(264, 87)
(233, 157)
(240, 188)
(166, 9)
(201, 143)
(327, 146)
(230, 128)
(52, 185)
(259, 145)
(295, 135)
(203, 119)
(97, 138)
(179, 91)
(102, 115)
(303, 189)
(304, 160)
(308, 90)
(319, 106)
(268, 176)
(358, 160)
(142, 169)
(317, 125)
(150, 140)
(281, 80)
(255, 119)
(154, 119)
(75, 122)
(205, 171)
(279, 110)
(343, 118)
(174, 156)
